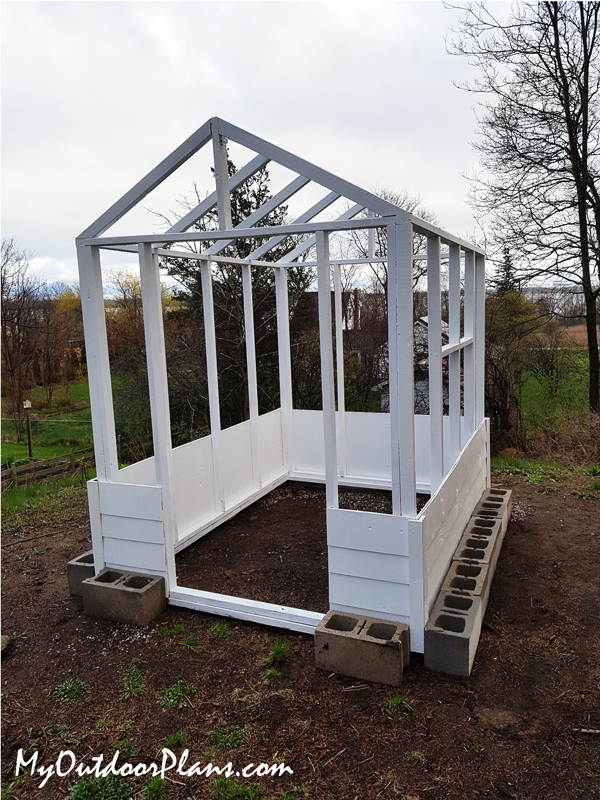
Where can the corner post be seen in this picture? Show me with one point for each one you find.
(159, 399)
(400, 332)
(434, 331)
(327, 377)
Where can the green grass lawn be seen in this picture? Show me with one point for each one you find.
(553, 405)
(57, 435)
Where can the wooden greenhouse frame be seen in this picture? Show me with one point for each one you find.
(388, 566)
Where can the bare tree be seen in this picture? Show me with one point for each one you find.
(540, 145)
(20, 303)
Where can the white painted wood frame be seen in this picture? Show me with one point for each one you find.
(386, 565)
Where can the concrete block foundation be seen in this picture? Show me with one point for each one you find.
(454, 626)
(452, 634)
(362, 647)
(124, 596)
(78, 570)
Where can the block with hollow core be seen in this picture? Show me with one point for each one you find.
(362, 647)
(452, 634)
(124, 596)
(78, 570)
(477, 544)
(495, 504)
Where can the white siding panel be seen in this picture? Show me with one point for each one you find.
(134, 530)
(362, 564)
(449, 510)
(403, 618)
(193, 489)
(368, 451)
(308, 444)
(129, 500)
(363, 530)
(271, 445)
(236, 463)
(143, 473)
(135, 556)
(375, 598)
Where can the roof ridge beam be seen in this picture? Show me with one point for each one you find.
(221, 176)
(155, 177)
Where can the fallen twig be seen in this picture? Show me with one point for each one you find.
(335, 756)
(31, 538)
(586, 730)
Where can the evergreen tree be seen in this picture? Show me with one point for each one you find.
(506, 280)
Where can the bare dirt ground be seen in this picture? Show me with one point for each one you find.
(518, 728)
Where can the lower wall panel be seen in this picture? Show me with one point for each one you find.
(135, 556)
(368, 563)
(448, 511)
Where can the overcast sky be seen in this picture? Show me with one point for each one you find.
(95, 94)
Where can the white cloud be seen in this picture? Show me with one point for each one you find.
(95, 94)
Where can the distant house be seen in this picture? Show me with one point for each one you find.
(421, 370)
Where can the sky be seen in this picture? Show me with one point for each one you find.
(95, 94)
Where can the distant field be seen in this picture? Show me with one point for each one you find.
(578, 334)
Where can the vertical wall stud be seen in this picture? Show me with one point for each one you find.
(285, 367)
(96, 348)
(453, 448)
(434, 331)
(213, 381)
(479, 337)
(339, 363)
(400, 343)
(469, 355)
(252, 376)
(159, 398)
(327, 377)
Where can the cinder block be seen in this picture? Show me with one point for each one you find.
(467, 578)
(452, 634)
(477, 544)
(124, 596)
(78, 570)
(362, 647)
(454, 626)
(495, 504)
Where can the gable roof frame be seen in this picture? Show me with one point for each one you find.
(219, 131)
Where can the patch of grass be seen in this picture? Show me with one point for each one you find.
(178, 628)
(399, 704)
(70, 690)
(102, 725)
(175, 741)
(223, 788)
(126, 748)
(113, 787)
(417, 755)
(277, 655)
(226, 738)
(219, 630)
(297, 793)
(191, 640)
(29, 497)
(479, 749)
(124, 726)
(156, 788)
(176, 696)
(597, 671)
(134, 681)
